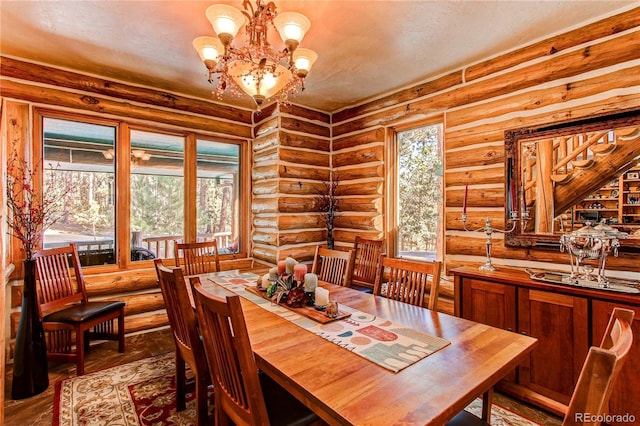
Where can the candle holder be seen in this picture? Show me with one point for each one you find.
(489, 230)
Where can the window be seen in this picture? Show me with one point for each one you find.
(419, 192)
(217, 194)
(138, 201)
(77, 154)
(157, 194)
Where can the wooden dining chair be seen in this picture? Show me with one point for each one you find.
(408, 281)
(601, 368)
(65, 308)
(597, 377)
(333, 266)
(365, 265)
(197, 258)
(189, 348)
(242, 395)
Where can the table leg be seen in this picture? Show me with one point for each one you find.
(487, 400)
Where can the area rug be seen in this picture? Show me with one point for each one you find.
(500, 416)
(138, 393)
(143, 393)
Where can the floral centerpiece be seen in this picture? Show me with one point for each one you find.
(287, 288)
(30, 213)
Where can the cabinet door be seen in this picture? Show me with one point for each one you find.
(561, 325)
(626, 391)
(489, 303)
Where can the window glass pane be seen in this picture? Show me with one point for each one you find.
(217, 194)
(157, 194)
(78, 158)
(419, 192)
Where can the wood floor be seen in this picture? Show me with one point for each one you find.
(38, 410)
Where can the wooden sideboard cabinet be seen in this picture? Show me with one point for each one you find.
(566, 320)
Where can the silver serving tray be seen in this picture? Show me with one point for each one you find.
(613, 284)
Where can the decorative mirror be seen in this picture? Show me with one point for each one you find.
(563, 175)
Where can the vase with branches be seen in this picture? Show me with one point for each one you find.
(327, 205)
(30, 213)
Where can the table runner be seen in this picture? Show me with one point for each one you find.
(382, 342)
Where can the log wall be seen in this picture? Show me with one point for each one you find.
(25, 87)
(4, 256)
(590, 70)
(358, 166)
(291, 160)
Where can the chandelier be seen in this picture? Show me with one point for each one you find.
(138, 156)
(256, 68)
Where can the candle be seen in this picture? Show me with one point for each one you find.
(310, 283)
(464, 201)
(282, 265)
(322, 296)
(524, 199)
(289, 264)
(299, 272)
(273, 273)
(265, 281)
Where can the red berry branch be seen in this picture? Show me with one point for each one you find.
(30, 212)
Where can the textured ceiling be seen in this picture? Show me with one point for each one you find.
(366, 48)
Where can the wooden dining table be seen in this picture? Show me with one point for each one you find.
(344, 388)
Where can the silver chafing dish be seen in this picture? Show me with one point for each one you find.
(590, 244)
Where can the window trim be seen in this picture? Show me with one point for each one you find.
(123, 171)
(391, 183)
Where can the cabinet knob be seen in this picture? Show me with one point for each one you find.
(509, 329)
(524, 333)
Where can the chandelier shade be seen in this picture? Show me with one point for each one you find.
(209, 48)
(225, 19)
(303, 60)
(291, 26)
(255, 68)
(263, 86)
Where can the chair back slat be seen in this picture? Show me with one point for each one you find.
(366, 256)
(197, 258)
(230, 357)
(407, 280)
(333, 266)
(57, 287)
(601, 369)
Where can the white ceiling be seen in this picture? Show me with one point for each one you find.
(366, 48)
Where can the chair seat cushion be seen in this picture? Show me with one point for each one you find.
(83, 312)
(282, 407)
